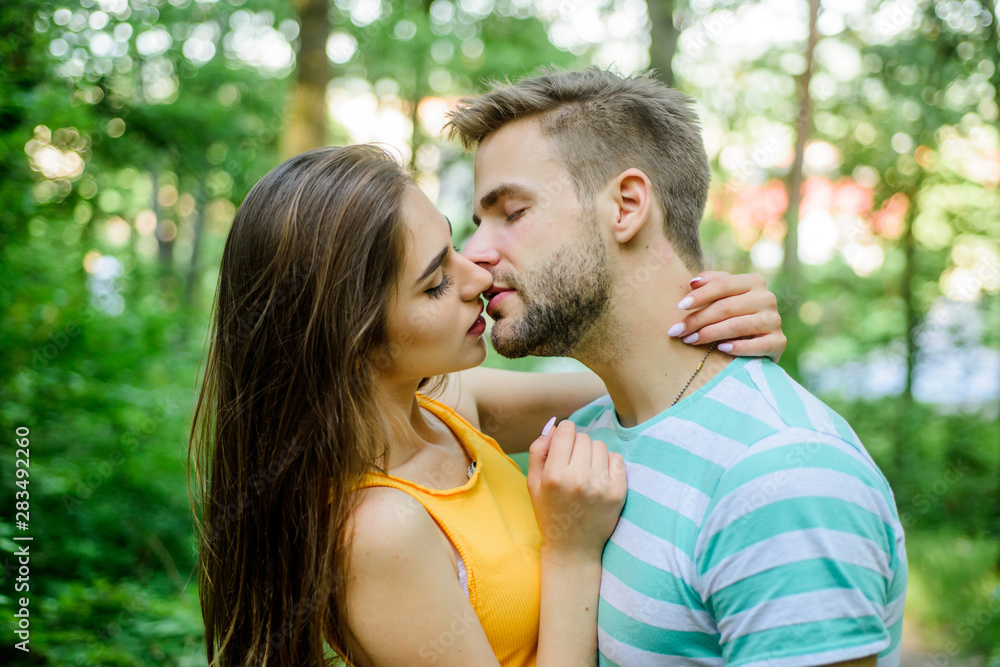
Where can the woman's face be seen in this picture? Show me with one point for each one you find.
(436, 316)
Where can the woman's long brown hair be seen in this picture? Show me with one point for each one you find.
(287, 419)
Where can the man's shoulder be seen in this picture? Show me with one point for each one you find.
(752, 403)
(801, 430)
(811, 466)
(767, 392)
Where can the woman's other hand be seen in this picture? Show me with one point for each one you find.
(577, 489)
(738, 312)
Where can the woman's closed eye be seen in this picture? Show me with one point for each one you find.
(438, 291)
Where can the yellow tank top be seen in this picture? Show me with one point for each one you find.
(490, 523)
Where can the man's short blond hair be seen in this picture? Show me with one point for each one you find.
(602, 124)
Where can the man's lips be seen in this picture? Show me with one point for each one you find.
(495, 296)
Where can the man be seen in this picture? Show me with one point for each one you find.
(757, 529)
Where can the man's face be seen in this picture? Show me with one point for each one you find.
(548, 260)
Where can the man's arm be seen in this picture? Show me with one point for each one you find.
(512, 407)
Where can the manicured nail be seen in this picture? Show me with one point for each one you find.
(548, 426)
(696, 280)
(685, 303)
(693, 338)
(725, 347)
(676, 330)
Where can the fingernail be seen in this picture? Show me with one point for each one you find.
(693, 338)
(548, 426)
(676, 330)
(725, 347)
(685, 303)
(696, 280)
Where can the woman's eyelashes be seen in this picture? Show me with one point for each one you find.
(442, 287)
(446, 280)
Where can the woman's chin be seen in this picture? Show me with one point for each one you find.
(477, 356)
(471, 359)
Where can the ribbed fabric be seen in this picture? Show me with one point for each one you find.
(490, 522)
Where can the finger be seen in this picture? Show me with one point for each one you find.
(561, 445)
(537, 453)
(543, 441)
(721, 287)
(707, 276)
(761, 323)
(735, 306)
(616, 474)
(771, 345)
(580, 460)
(598, 456)
(599, 464)
(536, 462)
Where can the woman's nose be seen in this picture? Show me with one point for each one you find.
(478, 280)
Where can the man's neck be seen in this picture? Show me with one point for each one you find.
(643, 368)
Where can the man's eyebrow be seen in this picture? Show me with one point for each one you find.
(490, 199)
(433, 266)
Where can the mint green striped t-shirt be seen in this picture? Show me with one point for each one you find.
(756, 531)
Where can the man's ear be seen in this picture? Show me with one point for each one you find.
(632, 193)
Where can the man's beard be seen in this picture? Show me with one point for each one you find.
(562, 302)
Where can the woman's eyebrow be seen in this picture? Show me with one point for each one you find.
(432, 267)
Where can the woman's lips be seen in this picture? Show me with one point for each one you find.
(478, 328)
(495, 300)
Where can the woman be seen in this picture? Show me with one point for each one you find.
(336, 502)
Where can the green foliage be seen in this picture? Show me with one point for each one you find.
(949, 477)
(954, 593)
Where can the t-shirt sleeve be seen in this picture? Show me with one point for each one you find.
(798, 557)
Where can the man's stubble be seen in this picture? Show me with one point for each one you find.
(564, 301)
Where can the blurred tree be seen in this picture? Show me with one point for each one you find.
(910, 108)
(790, 274)
(441, 49)
(128, 132)
(663, 35)
(22, 69)
(803, 128)
(306, 124)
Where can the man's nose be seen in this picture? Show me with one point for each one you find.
(481, 250)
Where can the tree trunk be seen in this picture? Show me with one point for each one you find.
(417, 137)
(164, 246)
(416, 134)
(662, 38)
(790, 266)
(306, 128)
(789, 280)
(913, 318)
(198, 228)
